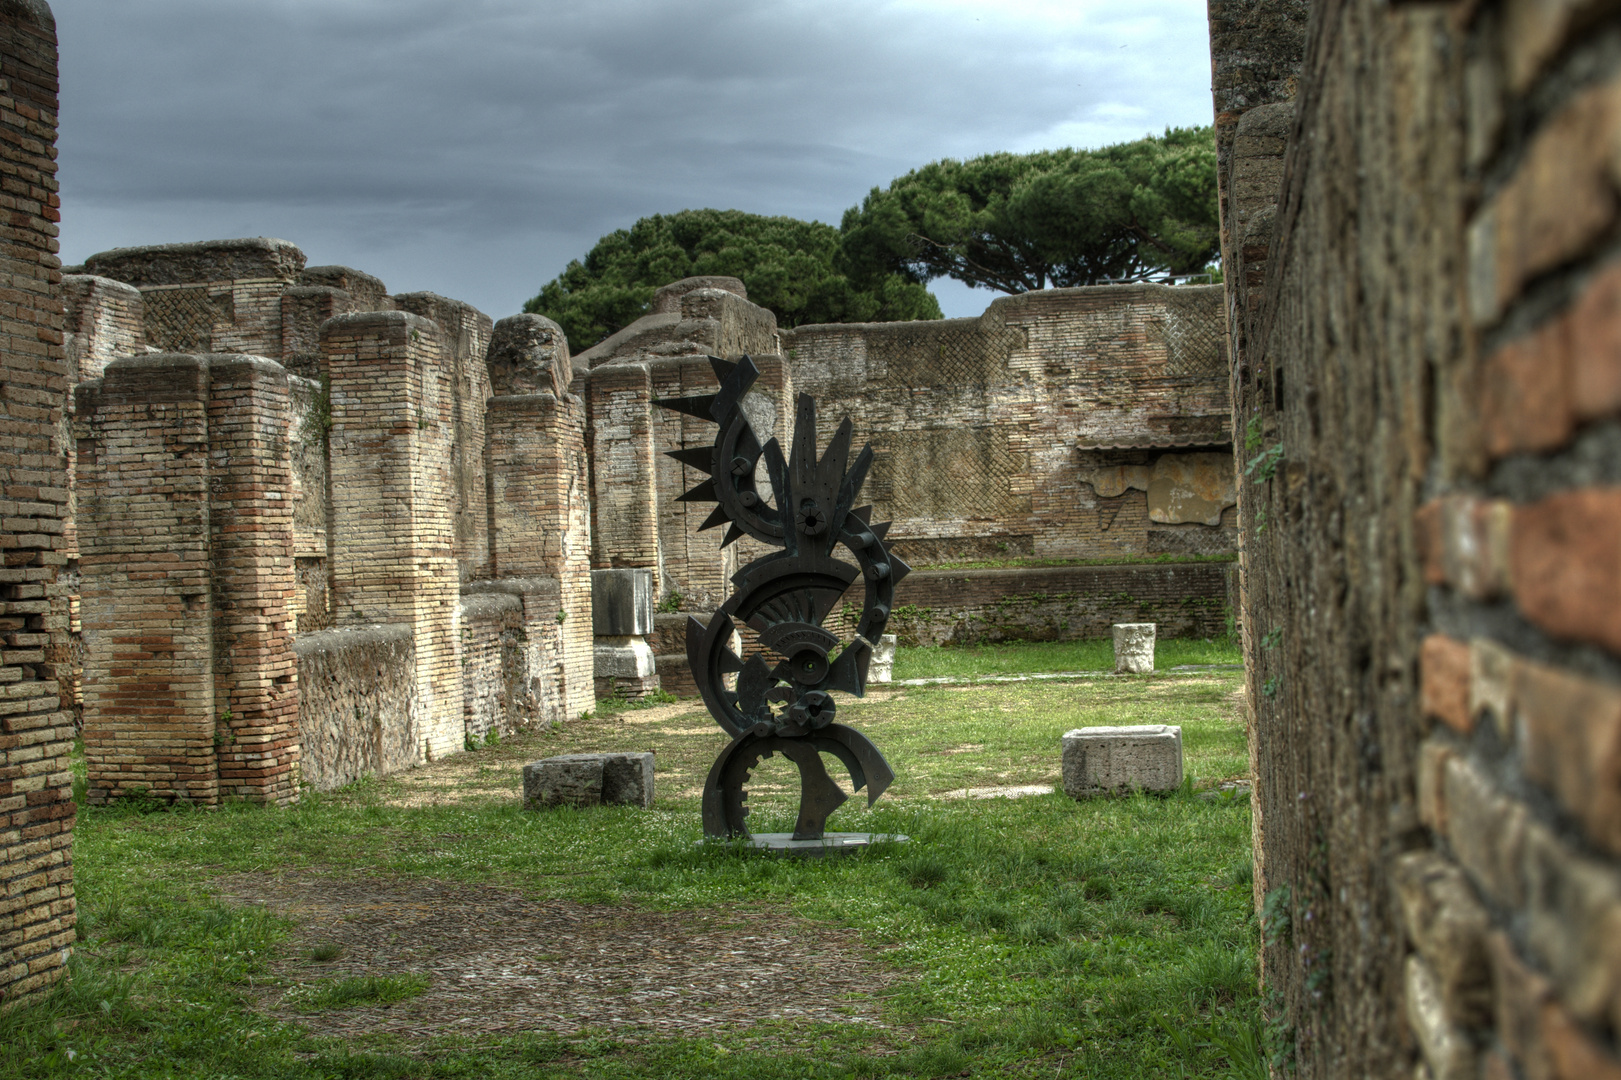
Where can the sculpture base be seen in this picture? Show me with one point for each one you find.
(833, 843)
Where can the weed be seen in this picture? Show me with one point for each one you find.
(1263, 466)
(326, 953)
(670, 604)
(1275, 915)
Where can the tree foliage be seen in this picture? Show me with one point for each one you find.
(1056, 218)
(792, 267)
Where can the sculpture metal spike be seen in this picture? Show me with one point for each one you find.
(786, 707)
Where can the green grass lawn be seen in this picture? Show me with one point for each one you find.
(1034, 937)
(1032, 657)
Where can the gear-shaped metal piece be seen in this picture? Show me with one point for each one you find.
(786, 707)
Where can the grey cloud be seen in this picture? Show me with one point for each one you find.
(406, 128)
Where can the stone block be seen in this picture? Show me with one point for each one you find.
(1446, 1048)
(1133, 648)
(882, 667)
(589, 780)
(567, 780)
(1098, 760)
(621, 602)
(627, 780)
(622, 657)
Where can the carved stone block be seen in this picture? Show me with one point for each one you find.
(1102, 760)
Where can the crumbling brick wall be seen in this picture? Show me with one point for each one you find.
(466, 334)
(36, 734)
(213, 296)
(392, 524)
(991, 434)
(368, 461)
(1426, 384)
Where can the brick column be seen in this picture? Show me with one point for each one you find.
(36, 735)
(465, 333)
(540, 518)
(624, 526)
(146, 597)
(391, 527)
(251, 557)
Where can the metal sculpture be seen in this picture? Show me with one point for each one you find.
(786, 707)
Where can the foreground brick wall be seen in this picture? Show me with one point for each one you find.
(36, 733)
(1431, 576)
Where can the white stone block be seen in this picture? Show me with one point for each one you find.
(1100, 760)
(622, 658)
(882, 666)
(1133, 648)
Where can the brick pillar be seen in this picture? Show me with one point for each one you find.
(392, 539)
(36, 735)
(540, 517)
(251, 557)
(624, 526)
(146, 597)
(465, 332)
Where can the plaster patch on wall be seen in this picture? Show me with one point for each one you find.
(1191, 489)
(1111, 481)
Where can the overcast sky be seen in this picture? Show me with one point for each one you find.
(474, 147)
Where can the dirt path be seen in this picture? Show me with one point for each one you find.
(498, 962)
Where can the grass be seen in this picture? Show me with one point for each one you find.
(346, 993)
(1029, 657)
(1038, 937)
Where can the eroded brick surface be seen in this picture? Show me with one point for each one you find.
(1433, 568)
(37, 911)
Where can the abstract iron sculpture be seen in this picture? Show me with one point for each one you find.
(786, 708)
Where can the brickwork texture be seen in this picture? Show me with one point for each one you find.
(1424, 382)
(36, 732)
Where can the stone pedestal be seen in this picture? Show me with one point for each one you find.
(621, 602)
(624, 666)
(621, 619)
(1104, 760)
(589, 780)
(1133, 648)
(882, 667)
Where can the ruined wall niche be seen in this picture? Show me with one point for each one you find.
(37, 905)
